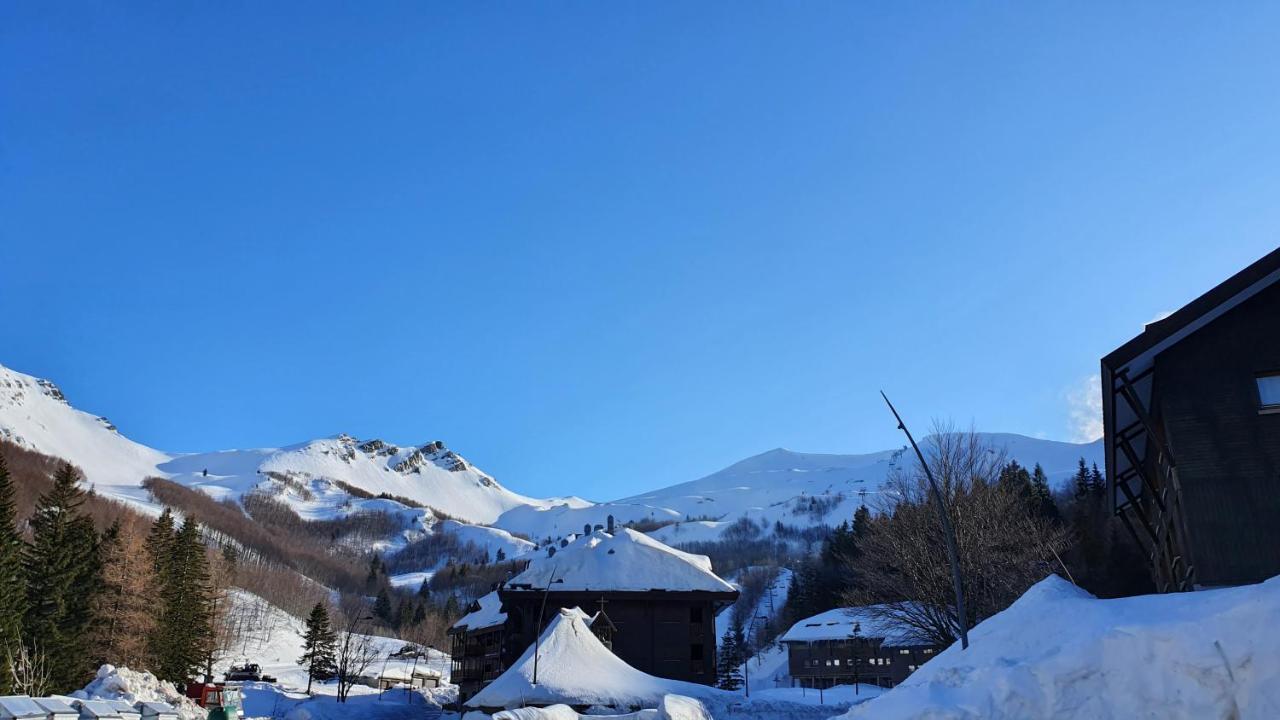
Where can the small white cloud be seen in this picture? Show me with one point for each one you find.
(1084, 408)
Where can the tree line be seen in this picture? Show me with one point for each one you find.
(1011, 529)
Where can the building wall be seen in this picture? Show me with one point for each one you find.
(1227, 453)
(477, 659)
(666, 634)
(824, 663)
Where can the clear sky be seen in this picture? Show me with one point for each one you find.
(603, 247)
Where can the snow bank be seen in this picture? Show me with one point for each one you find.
(113, 683)
(1058, 652)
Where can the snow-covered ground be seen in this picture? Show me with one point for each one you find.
(1060, 653)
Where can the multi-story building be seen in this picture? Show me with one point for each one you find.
(658, 605)
(1191, 409)
(852, 645)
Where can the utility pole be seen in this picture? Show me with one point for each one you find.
(537, 639)
(948, 530)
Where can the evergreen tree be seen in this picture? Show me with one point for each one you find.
(382, 606)
(318, 646)
(160, 540)
(1016, 479)
(729, 661)
(451, 609)
(500, 556)
(419, 613)
(1080, 482)
(62, 570)
(183, 639)
(13, 599)
(1042, 502)
(424, 591)
(1097, 483)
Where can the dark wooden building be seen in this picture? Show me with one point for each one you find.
(1191, 409)
(476, 641)
(654, 606)
(852, 645)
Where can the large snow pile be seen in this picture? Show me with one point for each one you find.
(1058, 652)
(624, 560)
(574, 668)
(113, 683)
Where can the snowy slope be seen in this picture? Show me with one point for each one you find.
(779, 485)
(35, 415)
(1060, 653)
(798, 489)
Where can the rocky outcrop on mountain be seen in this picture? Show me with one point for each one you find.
(378, 448)
(51, 390)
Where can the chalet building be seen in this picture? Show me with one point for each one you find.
(1191, 409)
(652, 605)
(848, 645)
(476, 645)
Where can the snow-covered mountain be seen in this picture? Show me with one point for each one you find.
(798, 489)
(318, 479)
(340, 475)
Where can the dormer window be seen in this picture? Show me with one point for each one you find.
(1269, 391)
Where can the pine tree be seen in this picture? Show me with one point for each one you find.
(1097, 484)
(382, 606)
(500, 556)
(424, 591)
(729, 662)
(318, 646)
(62, 569)
(1042, 502)
(183, 639)
(1080, 482)
(13, 599)
(160, 540)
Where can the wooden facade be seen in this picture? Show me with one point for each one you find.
(844, 661)
(1192, 443)
(476, 655)
(669, 634)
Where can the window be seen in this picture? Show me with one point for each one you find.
(1269, 391)
(904, 651)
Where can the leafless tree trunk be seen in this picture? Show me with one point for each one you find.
(355, 652)
(1003, 548)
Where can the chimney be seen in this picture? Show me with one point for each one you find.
(610, 526)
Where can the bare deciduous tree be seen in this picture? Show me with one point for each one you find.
(1003, 548)
(29, 671)
(355, 651)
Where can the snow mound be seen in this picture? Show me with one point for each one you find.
(1058, 652)
(574, 668)
(671, 707)
(113, 683)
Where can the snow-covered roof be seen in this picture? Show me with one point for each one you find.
(56, 707)
(839, 624)
(623, 561)
(487, 614)
(576, 669)
(19, 706)
(97, 709)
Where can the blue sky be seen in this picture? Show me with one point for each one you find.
(602, 247)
